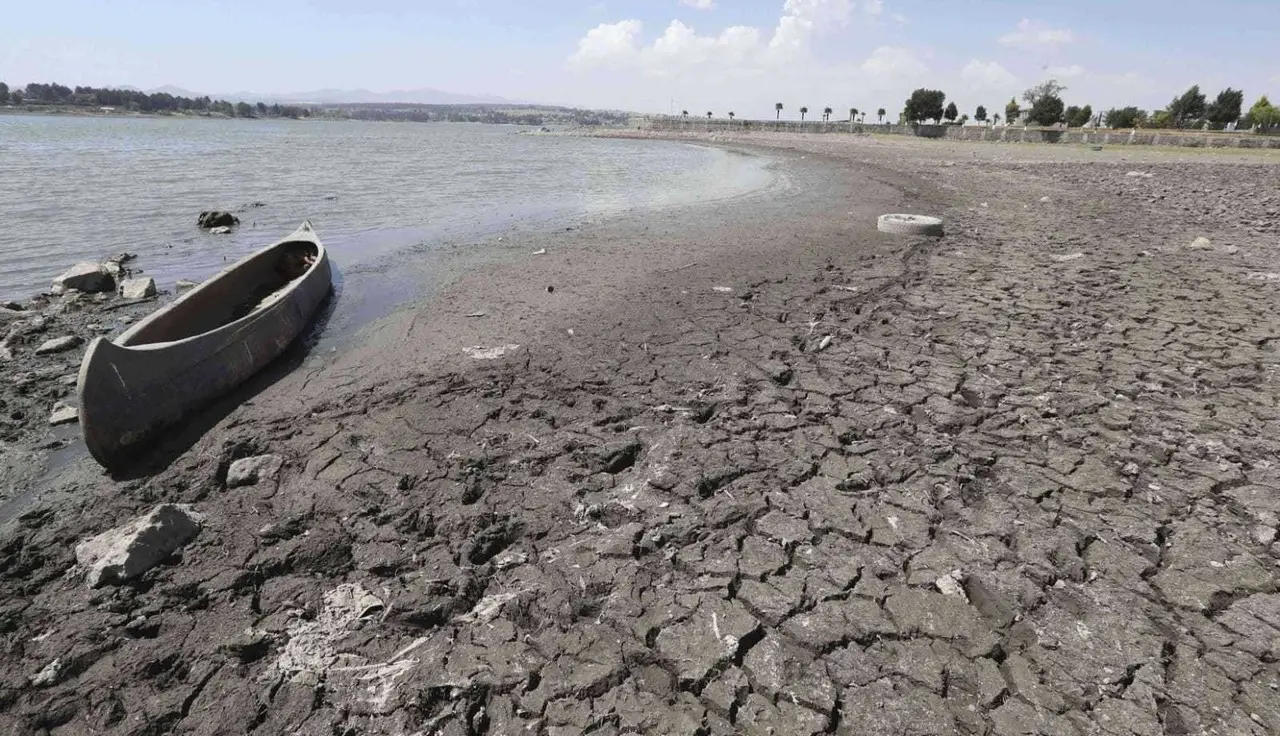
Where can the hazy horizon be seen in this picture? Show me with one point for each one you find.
(656, 57)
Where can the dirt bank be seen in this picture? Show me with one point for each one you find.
(745, 468)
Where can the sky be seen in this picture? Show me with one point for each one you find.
(659, 56)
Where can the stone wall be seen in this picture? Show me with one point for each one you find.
(1079, 136)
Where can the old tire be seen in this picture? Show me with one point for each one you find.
(909, 225)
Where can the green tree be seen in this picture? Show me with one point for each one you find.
(1159, 119)
(881, 114)
(1071, 113)
(1046, 103)
(1226, 108)
(777, 108)
(1125, 117)
(1263, 114)
(924, 104)
(980, 114)
(4, 93)
(803, 111)
(262, 109)
(243, 110)
(1187, 110)
(1012, 111)
(951, 112)
(1081, 117)
(15, 97)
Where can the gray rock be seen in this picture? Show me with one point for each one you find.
(59, 344)
(222, 230)
(63, 414)
(248, 471)
(15, 306)
(186, 284)
(215, 219)
(128, 551)
(84, 277)
(139, 288)
(9, 315)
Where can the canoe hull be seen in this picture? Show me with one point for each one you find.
(128, 393)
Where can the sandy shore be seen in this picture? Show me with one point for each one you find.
(748, 467)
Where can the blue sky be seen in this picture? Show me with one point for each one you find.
(658, 55)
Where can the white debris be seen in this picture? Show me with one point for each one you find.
(950, 585)
(723, 289)
(488, 608)
(49, 675)
(480, 352)
(63, 414)
(1068, 257)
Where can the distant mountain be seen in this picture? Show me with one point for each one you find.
(424, 96)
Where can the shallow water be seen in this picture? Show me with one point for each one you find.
(381, 195)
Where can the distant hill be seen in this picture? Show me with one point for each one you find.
(423, 96)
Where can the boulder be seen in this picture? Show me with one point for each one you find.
(63, 414)
(9, 315)
(128, 551)
(185, 284)
(84, 277)
(59, 344)
(138, 288)
(248, 471)
(216, 218)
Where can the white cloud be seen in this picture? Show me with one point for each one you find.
(700, 4)
(607, 45)
(1064, 72)
(1031, 33)
(741, 66)
(987, 76)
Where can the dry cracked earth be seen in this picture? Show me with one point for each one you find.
(1021, 479)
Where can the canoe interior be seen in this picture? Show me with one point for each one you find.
(222, 301)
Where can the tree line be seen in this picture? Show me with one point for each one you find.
(1045, 107)
(138, 101)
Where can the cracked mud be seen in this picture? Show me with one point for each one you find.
(884, 486)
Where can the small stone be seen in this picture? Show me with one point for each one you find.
(1201, 244)
(125, 320)
(250, 470)
(59, 344)
(140, 288)
(49, 675)
(69, 379)
(63, 414)
(224, 230)
(1264, 534)
(186, 284)
(1044, 199)
(128, 551)
(249, 646)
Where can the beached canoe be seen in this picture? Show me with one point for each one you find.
(207, 342)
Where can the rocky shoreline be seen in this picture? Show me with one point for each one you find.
(749, 467)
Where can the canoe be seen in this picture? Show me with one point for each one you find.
(207, 342)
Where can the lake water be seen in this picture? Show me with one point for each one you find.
(84, 188)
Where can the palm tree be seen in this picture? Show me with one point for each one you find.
(862, 117)
(803, 111)
(777, 107)
(826, 113)
(995, 119)
(731, 114)
(708, 114)
(880, 112)
(684, 113)
(853, 114)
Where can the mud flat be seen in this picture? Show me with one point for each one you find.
(749, 467)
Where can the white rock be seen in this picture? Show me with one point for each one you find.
(1201, 244)
(128, 551)
(186, 284)
(249, 470)
(49, 675)
(63, 414)
(139, 288)
(223, 230)
(1044, 199)
(84, 277)
(1068, 257)
(949, 584)
(59, 344)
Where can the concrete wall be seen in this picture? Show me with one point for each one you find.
(1079, 136)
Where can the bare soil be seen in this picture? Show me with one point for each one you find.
(749, 467)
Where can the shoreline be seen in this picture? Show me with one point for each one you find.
(748, 466)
